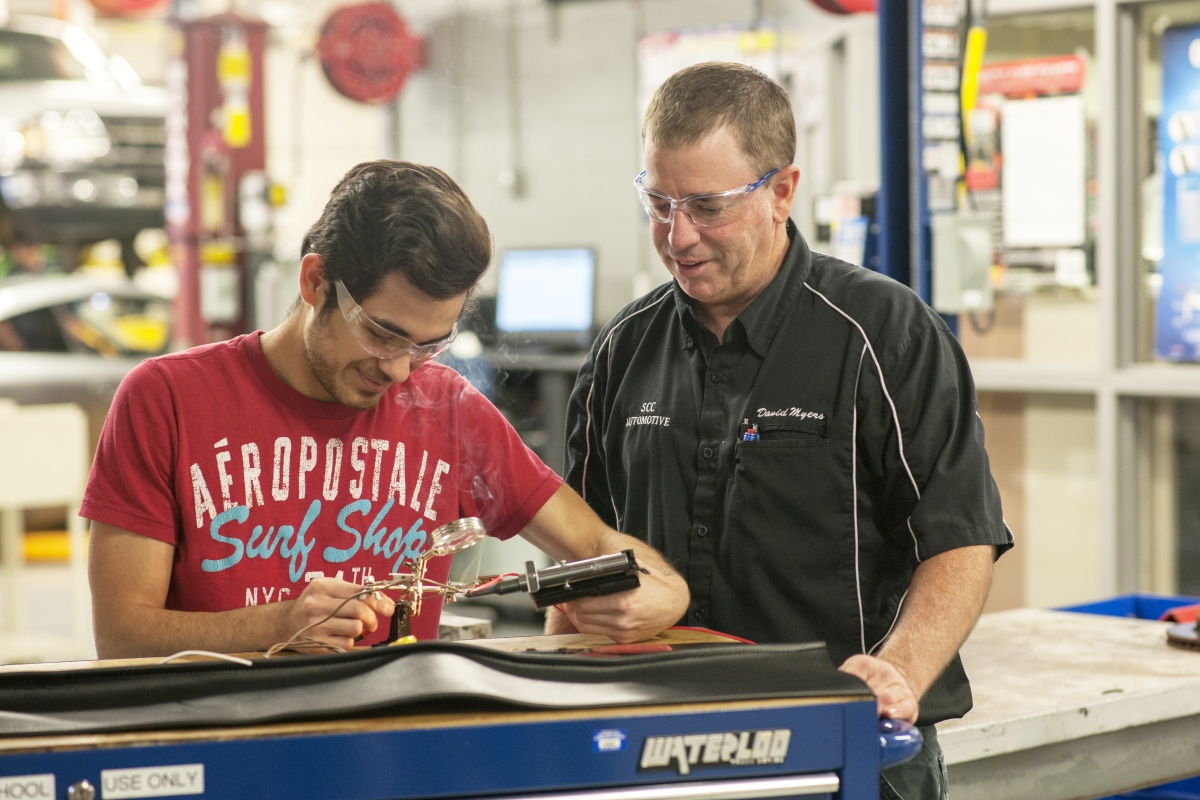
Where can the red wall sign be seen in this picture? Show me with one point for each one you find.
(367, 52)
(121, 8)
(845, 6)
(1033, 76)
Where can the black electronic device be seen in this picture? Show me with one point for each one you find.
(567, 581)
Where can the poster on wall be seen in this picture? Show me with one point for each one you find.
(1044, 172)
(1177, 317)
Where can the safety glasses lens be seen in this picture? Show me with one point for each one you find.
(395, 346)
(657, 208)
(712, 210)
(381, 343)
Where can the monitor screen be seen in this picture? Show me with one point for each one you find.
(546, 291)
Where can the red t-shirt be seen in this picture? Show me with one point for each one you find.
(261, 489)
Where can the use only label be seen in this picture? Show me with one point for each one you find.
(170, 781)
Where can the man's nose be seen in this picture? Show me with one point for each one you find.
(397, 368)
(683, 233)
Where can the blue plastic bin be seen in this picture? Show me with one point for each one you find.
(1146, 606)
(1179, 790)
(1137, 606)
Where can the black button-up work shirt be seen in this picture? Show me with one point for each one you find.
(869, 457)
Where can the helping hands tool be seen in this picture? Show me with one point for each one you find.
(413, 586)
(559, 583)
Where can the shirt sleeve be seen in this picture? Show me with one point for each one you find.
(932, 471)
(585, 463)
(132, 482)
(500, 479)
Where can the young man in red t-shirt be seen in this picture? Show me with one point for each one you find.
(242, 490)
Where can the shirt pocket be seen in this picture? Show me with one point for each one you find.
(801, 433)
(789, 524)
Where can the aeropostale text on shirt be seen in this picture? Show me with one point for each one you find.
(284, 467)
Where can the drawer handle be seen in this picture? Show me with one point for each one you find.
(739, 789)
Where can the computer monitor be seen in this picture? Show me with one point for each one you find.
(545, 296)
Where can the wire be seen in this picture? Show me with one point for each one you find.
(298, 638)
(971, 52)
(402, 582)
(493, 581)
(973, 317)
(245, 662)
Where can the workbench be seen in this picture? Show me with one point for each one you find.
(1071, 706)
(592, 754)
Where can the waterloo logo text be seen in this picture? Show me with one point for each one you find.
(741, 748)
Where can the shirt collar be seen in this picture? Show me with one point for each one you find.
(762, 318)
(685, 307)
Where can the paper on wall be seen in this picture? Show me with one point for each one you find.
(1043, 180)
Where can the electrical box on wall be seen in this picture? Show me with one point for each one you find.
(962, 262)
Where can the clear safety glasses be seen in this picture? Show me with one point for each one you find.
(379, 341)
(704, 210)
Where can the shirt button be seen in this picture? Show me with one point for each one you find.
(708, 452)
(697, 613)
(687, 343)
(702, 530)
(715, 378)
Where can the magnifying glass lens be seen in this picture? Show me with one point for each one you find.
(457, 535)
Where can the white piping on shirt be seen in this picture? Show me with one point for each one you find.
(891, 404)
(862, 624)
(891, 627)
(587, 431)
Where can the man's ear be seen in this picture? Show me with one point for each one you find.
(312, 280)
(783, 192)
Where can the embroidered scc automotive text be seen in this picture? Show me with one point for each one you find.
(648, 419)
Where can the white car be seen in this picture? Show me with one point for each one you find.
(81, 139)
(73, 338)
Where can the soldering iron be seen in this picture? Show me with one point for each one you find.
(564, 582)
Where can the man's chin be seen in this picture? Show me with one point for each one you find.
(353, 397)
(699, 289)
(362, 400)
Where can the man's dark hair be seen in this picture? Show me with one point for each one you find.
(395, 216)
(702, 99)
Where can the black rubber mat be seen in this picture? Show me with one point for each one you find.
(428, 676)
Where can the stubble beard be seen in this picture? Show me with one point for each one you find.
(327, 372)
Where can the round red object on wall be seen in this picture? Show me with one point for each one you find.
(367, 52)
(846, 6)
(119, 8)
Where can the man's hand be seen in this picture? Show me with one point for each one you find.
(893, 696)
(354, 619)
(567, 529)
(633, 615)
(942, 605)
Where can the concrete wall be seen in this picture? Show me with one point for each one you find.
(564, 116)
(1062, 551)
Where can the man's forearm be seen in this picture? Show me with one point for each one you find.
(146, 631)
(942, 606)
(130, 577)
(647, 556)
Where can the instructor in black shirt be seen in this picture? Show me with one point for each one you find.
(798, 435)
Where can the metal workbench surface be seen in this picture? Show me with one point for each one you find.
(1072, 706)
